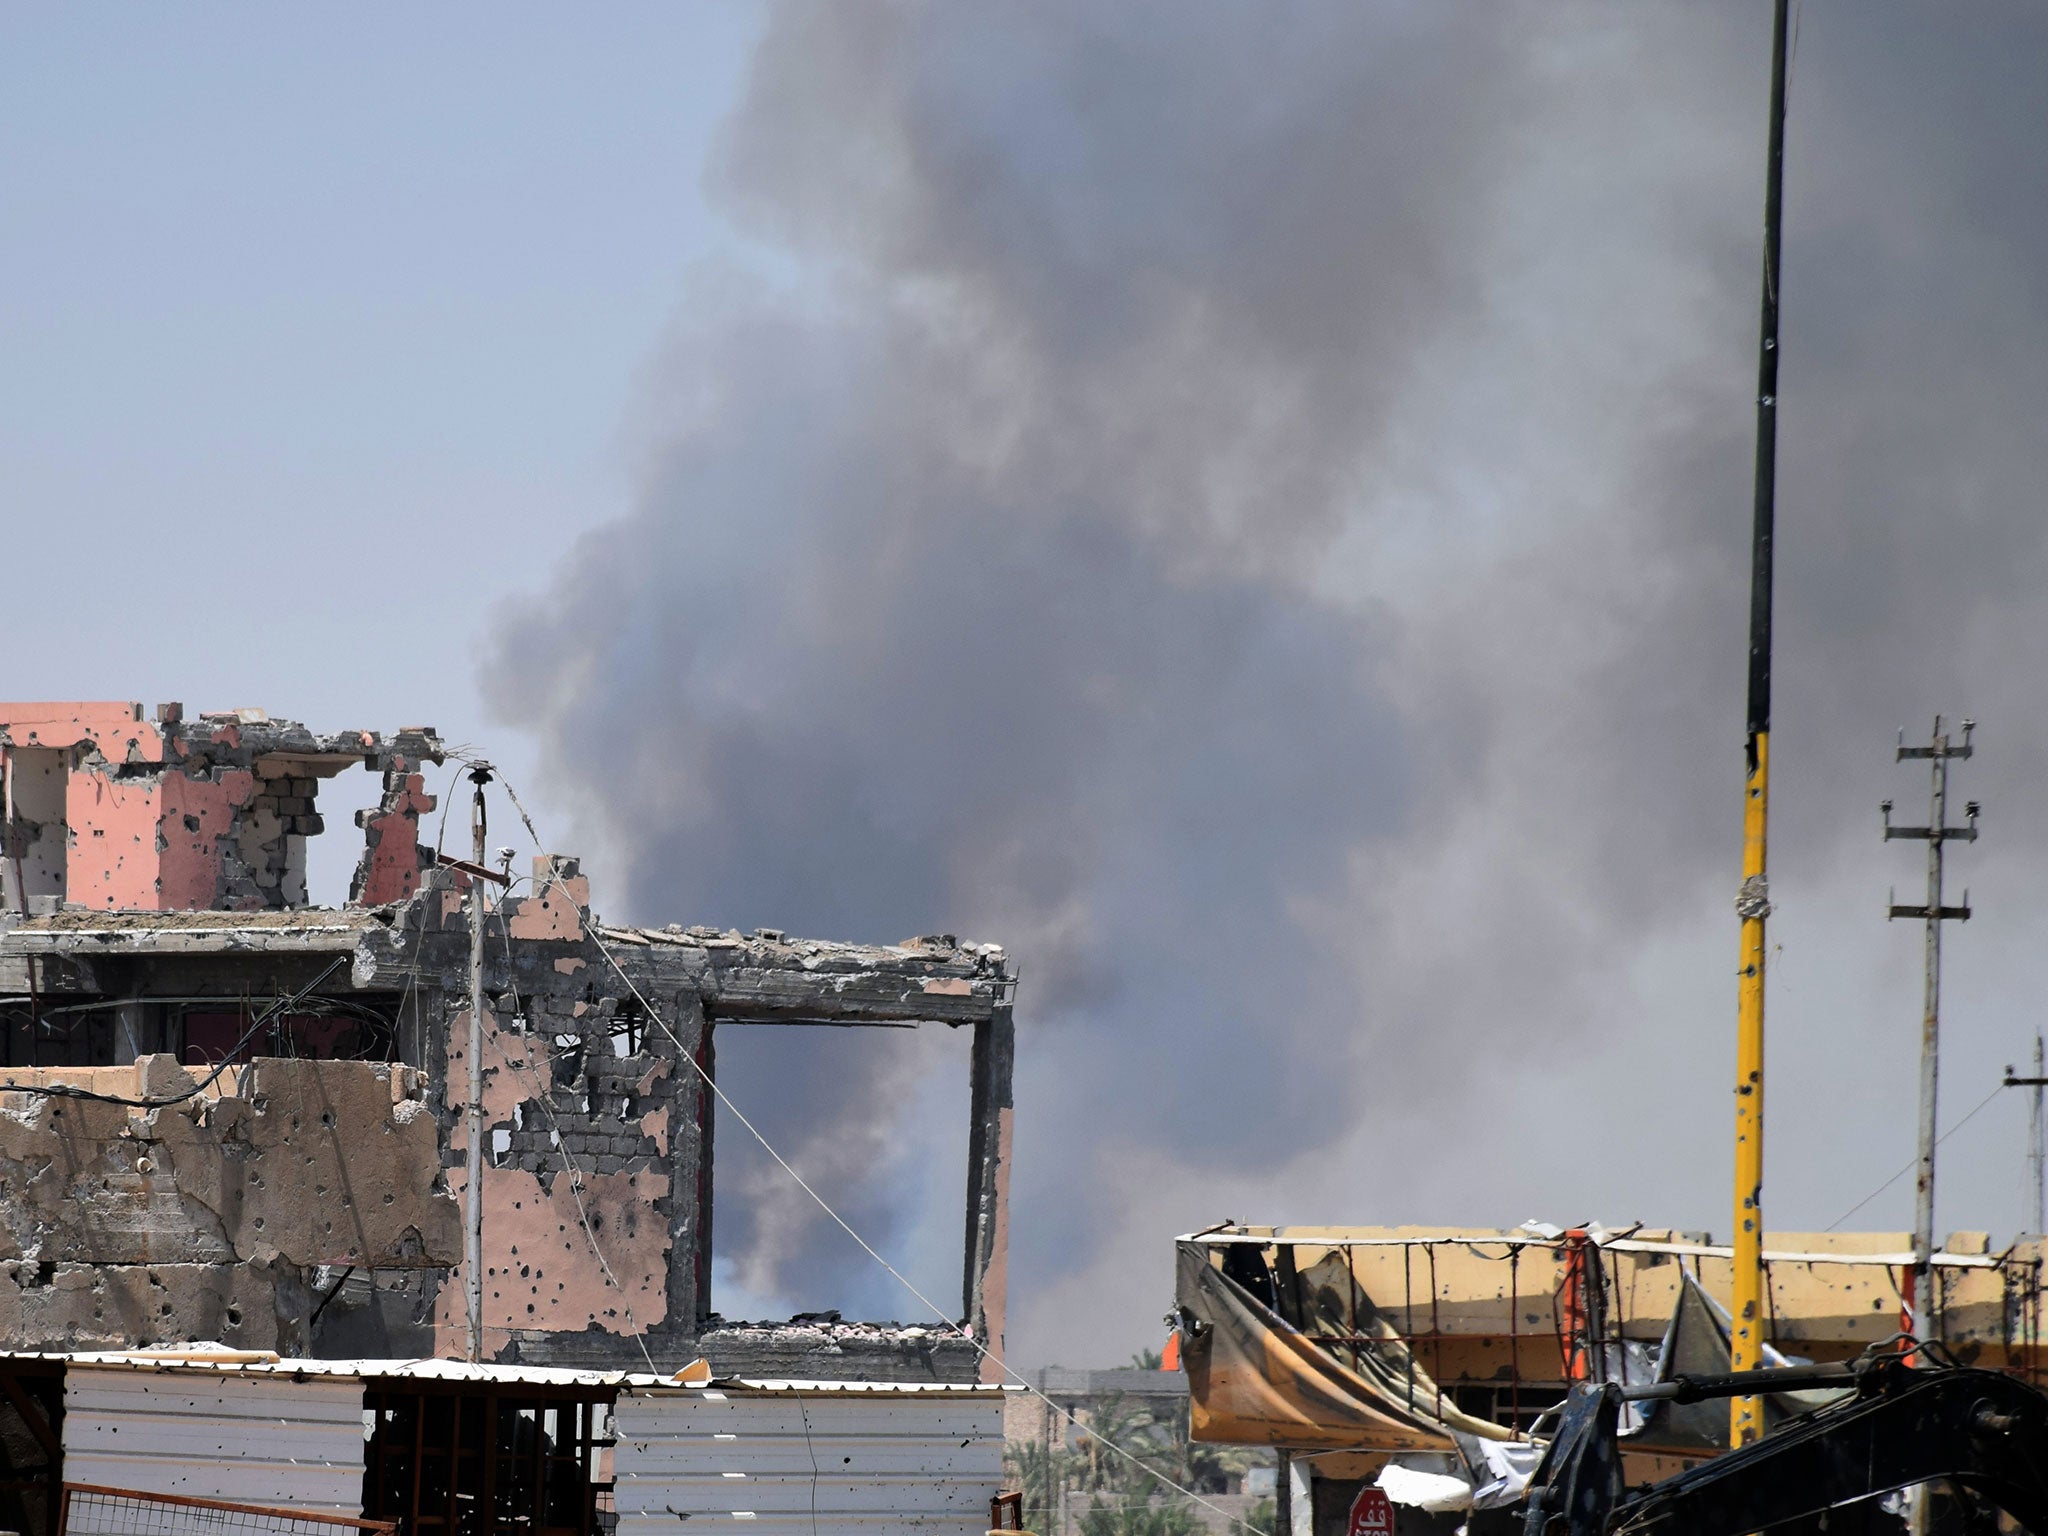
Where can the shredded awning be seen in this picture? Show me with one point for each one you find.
(1256, 1379)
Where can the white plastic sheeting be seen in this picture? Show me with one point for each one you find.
(797, 1460)
(249, 1439)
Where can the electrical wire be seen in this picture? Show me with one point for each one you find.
(1888, 1183)
(654, 1015)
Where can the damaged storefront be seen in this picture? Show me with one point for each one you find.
(1416, 1374)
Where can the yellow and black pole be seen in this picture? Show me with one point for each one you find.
(1753, 903)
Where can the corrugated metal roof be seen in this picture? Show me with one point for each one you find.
(228, 1362)
(792, 1460)
(253, 1440)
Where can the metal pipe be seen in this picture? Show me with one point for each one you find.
(1746, 1339)
(1694, 1389)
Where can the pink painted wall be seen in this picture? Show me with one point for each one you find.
(189, 875)
(393, 833)
(113, 860)
(116, 728)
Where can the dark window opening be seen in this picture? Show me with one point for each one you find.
(31, 1445)
(484, 1461)
(339, 1031)
(198, 1031)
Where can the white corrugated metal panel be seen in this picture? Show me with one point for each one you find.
(213, 1360)
(251, 1439)
(790, 1461)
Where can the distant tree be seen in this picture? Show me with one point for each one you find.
(1037, 1471)
(1139, 1516)
(1262, 1517)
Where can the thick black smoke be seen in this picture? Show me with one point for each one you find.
(1248, 507)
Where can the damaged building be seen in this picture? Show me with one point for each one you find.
(1417, 1372)
(228, 1115)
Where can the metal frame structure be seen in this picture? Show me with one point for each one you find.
(487, 1458)
(255, 1517)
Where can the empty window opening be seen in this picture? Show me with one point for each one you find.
(464, 1461)
(628, 1028)
(876, 1120)
(347, 801)
(33, 833)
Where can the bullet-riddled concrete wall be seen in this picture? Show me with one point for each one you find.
(208, 1219)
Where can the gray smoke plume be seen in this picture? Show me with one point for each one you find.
(1249, 508)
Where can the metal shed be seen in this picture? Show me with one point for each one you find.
(808, 1456)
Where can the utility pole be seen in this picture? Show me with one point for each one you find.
(1937, 834)
(1753, 901)
(473, 1233)
(2037, 1133)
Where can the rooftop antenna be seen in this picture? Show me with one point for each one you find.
(1753, 902)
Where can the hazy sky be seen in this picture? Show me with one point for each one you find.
(1246, 506)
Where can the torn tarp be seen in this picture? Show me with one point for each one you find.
(1482, 1474)
(1256, 1379)
(1696, 1344)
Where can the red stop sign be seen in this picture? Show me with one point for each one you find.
(1372, 1514)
